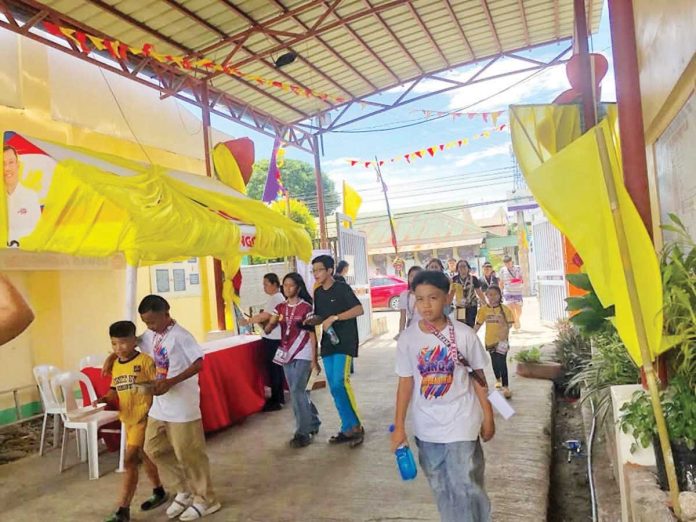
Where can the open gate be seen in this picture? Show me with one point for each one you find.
(351, 245)
(550, 269)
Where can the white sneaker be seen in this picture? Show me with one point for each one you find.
(196, 511)
(180, 503)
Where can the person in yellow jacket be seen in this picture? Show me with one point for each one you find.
(132, 377)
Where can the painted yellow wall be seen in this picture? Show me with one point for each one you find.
(16, 357)
(74, 308)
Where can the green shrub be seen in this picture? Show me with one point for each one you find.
(530, 355)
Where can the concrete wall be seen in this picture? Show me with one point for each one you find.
(666, 46)
(666, 43)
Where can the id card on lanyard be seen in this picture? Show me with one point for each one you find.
(452, 350)
(160, 353)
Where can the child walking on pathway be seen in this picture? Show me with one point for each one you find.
(440, 367)
(298, 356)
(131, 373)
(498, 318)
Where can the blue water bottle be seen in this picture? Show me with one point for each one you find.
(333, 336)
(405, 461)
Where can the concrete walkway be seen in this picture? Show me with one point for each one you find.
(258, 478)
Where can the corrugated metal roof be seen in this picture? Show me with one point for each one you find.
(346, 48)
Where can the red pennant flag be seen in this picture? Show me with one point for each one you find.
(110, 47)
(82, 38)
(407, 157)
(442, 147)
(459, 143)
(52, 28)
(471, 115)
(419, 153)
(431, 151)
(367, 164)
(123, 51)
(502, 127)
(147, 49)
(485, 117)
(353, 163)
(381, 163)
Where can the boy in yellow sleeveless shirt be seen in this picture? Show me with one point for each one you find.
(132, 375)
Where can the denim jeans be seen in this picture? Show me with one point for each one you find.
(455, 473)
(306, 415)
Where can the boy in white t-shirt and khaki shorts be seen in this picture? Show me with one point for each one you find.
(440, 367)
(174, 438)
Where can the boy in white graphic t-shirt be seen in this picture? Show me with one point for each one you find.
(440, 367)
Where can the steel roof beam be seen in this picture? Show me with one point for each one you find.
(187, 12)
(341, 88)
(458, 25)
(143, 27)
(393, 36)
(523, 16)
(491, 25)
(311, 34)
(366, 47)
(454, 84)
(427, 32)
(151, 73)
(249, 19)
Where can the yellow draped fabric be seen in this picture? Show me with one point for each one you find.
(570, 188)
(153, 215)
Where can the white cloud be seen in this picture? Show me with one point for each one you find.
(497, 150)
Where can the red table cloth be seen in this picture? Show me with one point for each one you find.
(232, 381)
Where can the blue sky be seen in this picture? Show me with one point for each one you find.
(455, 175)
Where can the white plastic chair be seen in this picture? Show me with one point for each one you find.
(43, 375)
(92, 361)
(97, 361)
(86, 419)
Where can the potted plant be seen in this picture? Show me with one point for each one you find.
(679, 405)
(678, 399)
(530, 365)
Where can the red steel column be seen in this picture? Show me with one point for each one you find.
(588, 92)
(635, 170)
(217, 265)
(320, 195)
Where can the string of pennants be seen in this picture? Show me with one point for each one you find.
(428, 151)
(485, 116)
(88, 43)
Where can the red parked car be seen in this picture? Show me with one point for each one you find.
(385, 290)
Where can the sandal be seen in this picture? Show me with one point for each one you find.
(118, 516)
(340, 438)
(179, 504)
(154, 501)
(357, 438)
(196, 511)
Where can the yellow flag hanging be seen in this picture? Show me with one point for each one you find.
(351, 201)
(570, 187)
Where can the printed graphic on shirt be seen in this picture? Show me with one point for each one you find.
(161, 362)
(437, 372)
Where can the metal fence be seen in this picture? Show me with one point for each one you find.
(550, 272)
(352, 246)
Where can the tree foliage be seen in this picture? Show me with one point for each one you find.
(298, 178)
(299, 213)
